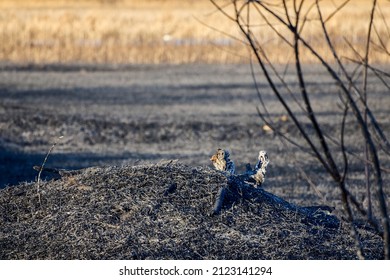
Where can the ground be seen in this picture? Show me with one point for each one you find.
(163, 211)
(135, 115)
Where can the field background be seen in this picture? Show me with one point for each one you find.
(144, 114)
(130, 83)
(163, 31)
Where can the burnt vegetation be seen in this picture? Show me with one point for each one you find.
(166, 211)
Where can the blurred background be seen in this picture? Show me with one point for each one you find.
(163, 31)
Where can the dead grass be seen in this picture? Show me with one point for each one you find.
(159, 211)
(157, 32)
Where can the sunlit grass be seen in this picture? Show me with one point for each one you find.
(171, 31)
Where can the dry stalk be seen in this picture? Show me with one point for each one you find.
(42, 167)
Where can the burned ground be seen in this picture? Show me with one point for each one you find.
(134, 117)
(160, 211)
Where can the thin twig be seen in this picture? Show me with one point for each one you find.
(42, 168)
(365, 113)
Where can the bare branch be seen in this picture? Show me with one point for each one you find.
(221, 9)
(339, 8)
(292, 16)
(367, 136)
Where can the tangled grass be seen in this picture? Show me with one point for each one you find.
(159, 211)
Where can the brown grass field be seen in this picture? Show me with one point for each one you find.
(171, 31)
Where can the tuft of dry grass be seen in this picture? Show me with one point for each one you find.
(170, 31)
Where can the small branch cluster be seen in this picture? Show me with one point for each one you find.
(289, 20)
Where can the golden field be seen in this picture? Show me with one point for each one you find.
(168, 31)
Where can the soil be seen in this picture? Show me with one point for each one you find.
(126, 120)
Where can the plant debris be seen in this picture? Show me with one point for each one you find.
(162, 211)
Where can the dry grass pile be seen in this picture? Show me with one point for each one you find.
(159, 211)
(133, 31)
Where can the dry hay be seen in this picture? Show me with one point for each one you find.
(159, 211)
(176, 31)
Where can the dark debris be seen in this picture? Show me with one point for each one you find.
(160, 211)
